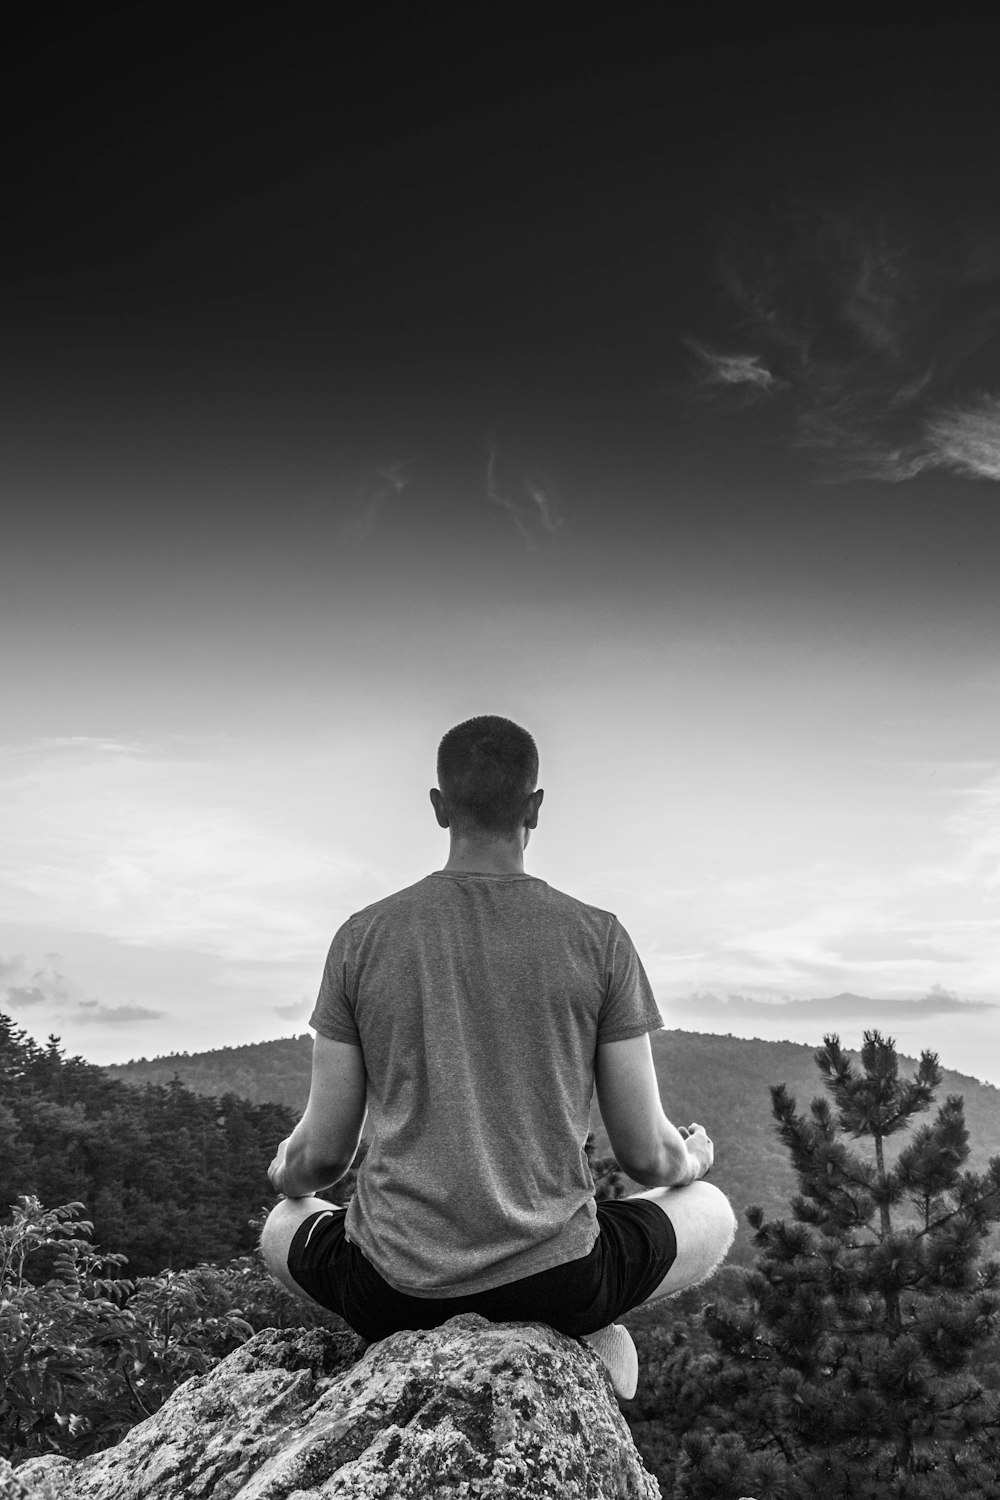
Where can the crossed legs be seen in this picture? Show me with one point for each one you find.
(703, 1221)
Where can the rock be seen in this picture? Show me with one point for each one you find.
(13, 1487)
(469, 1409)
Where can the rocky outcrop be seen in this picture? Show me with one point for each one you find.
(470, 1409)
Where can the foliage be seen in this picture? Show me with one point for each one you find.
(848, 1371)
(171, 1178)
(675, 1357)
(86, 1356)
(174, 1182)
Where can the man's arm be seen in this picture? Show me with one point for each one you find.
(303, 1177)
(646, 1145)
(699, 1153)
(321, 1148)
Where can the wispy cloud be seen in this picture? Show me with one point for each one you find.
(975, 828)
(374, 492)
(825, 1011)
(861, 336)
(93, 1013)
(91, 743)
(525, 493)
(529, 501)
(717, 369)
(968, 441)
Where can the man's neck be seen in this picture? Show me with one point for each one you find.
(485, 858)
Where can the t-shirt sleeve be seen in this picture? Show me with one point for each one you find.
(629, 1007)
(333, 1013)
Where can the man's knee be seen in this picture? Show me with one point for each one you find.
(704, 1227)
(714, 1209)
(705, 1221)
(279, 1231)
(700, 1202)
(275, 1238)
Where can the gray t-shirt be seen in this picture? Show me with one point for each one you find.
(478, 1002)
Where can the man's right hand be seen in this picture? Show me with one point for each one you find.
(699, 1148)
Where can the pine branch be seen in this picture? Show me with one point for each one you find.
(960, 1210)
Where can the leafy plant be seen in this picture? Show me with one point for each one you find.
(85, 1356)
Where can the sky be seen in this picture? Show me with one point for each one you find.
(639, 384)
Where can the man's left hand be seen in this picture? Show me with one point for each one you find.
(277, 1166)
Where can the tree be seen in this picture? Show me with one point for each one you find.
(847, 1373)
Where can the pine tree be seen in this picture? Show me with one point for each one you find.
(847, 1373)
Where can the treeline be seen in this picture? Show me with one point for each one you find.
(170, 1178)
(264, 1072)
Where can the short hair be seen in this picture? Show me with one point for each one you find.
(487, 768)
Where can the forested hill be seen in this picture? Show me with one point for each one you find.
(262, 1072)
(723, 1082)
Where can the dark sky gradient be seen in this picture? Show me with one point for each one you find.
(640, 374)
(291, 259)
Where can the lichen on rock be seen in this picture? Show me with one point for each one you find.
(468, 1409)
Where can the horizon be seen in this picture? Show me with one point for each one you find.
(644, 391)
(307, 1035)
(854, 1010)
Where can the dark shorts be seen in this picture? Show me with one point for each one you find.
(633, 1252)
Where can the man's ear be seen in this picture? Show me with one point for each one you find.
(534, 803)
(437, 802)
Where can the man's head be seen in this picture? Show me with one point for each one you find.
(487, 769)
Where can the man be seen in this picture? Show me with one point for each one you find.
(472, 1014)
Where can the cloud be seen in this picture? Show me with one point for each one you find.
(972, 857)
(547, 507)
(540, 509)
(737, 1006)
(146, 850)
(94, 742)
(908, 910)
(528, 497)
(93, 1013)
(299, 1011)
(968, 441)
(732, 369)
(18, 995)
(25, 983)
(373, 494)
(976, 827)
(860, 336)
